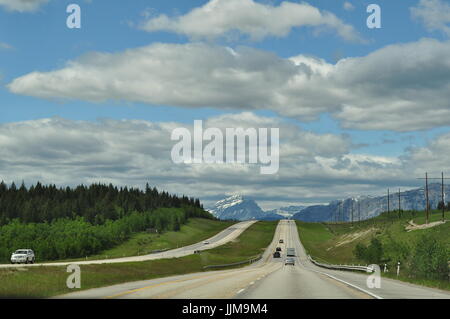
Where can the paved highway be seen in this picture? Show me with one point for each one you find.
(306, 280)
(268, 278)
(221, 238)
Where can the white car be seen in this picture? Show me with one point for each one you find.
(289, 261)
(206, 242)
(24, 256)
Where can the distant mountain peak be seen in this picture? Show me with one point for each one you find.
(237, 207)
(240, 207)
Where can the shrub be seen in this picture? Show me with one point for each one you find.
(371, 254)
(430, 258)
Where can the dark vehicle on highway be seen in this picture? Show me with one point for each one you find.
(278, 249)
(276, 254)
(281, 241)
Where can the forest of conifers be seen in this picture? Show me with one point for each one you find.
(60, 223)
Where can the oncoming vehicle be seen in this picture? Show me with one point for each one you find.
(289, 261)
(281, 241)
(206, 242)
(24, 256)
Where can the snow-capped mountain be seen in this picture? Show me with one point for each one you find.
(237, 207)
(365, 207)
(286, 212)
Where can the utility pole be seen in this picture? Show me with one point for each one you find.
(359, 211)
(399, 203)
(336, 215)
(367, 209)
(389, 206)
(443, 198)
(427, 199)
(352, 211)
(339, 212)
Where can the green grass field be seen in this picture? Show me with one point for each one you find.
(42, 282)
(334, 243)
(194, 231)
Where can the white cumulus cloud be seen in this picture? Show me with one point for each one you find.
(401, 87)
(348, 6)
(313, 167)
(22, 5)
(219, 18)
(434, 14)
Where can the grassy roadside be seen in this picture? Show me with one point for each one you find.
(42, 282)
(194, 231)
(335, 243)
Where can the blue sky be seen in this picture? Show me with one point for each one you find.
(38, 40)
(41, 41)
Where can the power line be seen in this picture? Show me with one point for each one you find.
(427, 198)
(352, 210)
(359, 211)
(443, 198)
(388, 204)
(399, 203)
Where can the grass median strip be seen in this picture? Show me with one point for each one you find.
(42, 282)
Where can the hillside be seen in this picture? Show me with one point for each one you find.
(416, 250)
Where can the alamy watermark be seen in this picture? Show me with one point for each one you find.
(234, 146)
(374, 280)
(74, 280)
(374, 19)
(73, 21)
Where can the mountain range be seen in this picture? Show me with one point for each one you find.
(238, 207)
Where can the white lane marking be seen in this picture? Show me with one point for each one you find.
(347, 283)
(340, 280)
(240, 291)
(252, 283)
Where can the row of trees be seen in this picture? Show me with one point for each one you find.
(442, 205)
(73, 238)
(426, 258)
(96, 203)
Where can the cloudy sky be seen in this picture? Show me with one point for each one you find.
(359, 109)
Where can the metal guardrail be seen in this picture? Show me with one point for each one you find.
(250, 261)
(341, 267)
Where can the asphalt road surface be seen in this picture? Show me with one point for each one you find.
(221, 238)
(268, 278)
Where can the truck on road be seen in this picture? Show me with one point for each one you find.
(290, 252)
